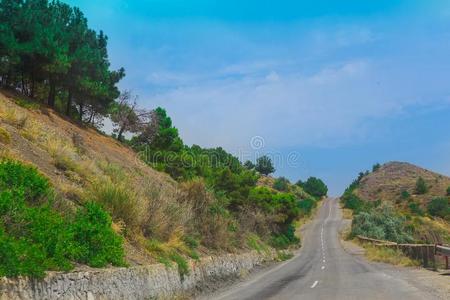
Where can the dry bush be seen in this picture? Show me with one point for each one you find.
(5, 137)
(119, 199)
(252, 219)
(63, 154)
(33, 131)
(209, 220)
(14, 117)
(164, 213)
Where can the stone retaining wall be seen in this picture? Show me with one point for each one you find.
(141, 282)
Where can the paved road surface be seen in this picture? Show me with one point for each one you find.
(323, 270)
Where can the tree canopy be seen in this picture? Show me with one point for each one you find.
(48, 52)
(264, 165)
(314, 186)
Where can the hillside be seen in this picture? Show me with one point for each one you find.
(391, 180)
(77, 159)
(210, 209)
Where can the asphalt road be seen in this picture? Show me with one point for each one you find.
(323, 270)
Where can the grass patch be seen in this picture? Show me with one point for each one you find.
(284, 255)
(15, 118)
(388, 255)
(5, 137)
(255, 243)
(28, 104)
(118, 198)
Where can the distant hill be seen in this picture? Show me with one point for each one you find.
(393, 178)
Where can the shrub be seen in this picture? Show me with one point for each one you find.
(281, 184)
(376, 167)
(15, 118)
(5, 137)
(421, 186)
(405, 195)
(415, 208)
(448, 191)
(315, 187)
(97, 244)
(306, 206)
(35, 238)
(439, 207)
(381, 223)
(26, 179)
(118, 199)
(264, 165)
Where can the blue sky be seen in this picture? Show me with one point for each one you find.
(331, 87)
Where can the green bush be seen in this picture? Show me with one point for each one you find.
(448, 191)
(306, 206)
(405, 195)
(381, 223)
(415, 208)
(376, 167)
(35, 238)
(421, 186)
(17, 176)
(315, 187)
(439, 207)
(281, 184)
(97, 244)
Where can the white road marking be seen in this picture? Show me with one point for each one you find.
(323, 260)
(314, 284)
(323, 267)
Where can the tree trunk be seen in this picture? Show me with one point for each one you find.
(52, 94)
(81, 107)
(119, 135)
(69, 103)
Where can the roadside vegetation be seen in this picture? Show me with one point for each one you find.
(394, 221)
(34, 237)
(94, 208)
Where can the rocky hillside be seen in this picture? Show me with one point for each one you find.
(393, 179)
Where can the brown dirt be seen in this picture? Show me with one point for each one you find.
(388, 182)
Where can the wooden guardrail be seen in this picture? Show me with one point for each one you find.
(422, 252)
(443, 251)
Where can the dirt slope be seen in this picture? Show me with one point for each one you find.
(388, 182)
(76, 158)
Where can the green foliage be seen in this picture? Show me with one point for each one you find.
(421, 186)
(306, 206)
(35, 238)
(381, 223)
(415, 208)
(281, 184)
(405, 195)
(19, 177)
(264, 165)
(286, 239)
(448, 191)
(97, 244)
(376, 167)
(315, 187)
(249, 165)
(48, 51)
(439, 207)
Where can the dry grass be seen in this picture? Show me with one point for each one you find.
(347, 213)
(388, 255)
(32, 130)
(117, 197)
(14, 117)
(5, 137)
